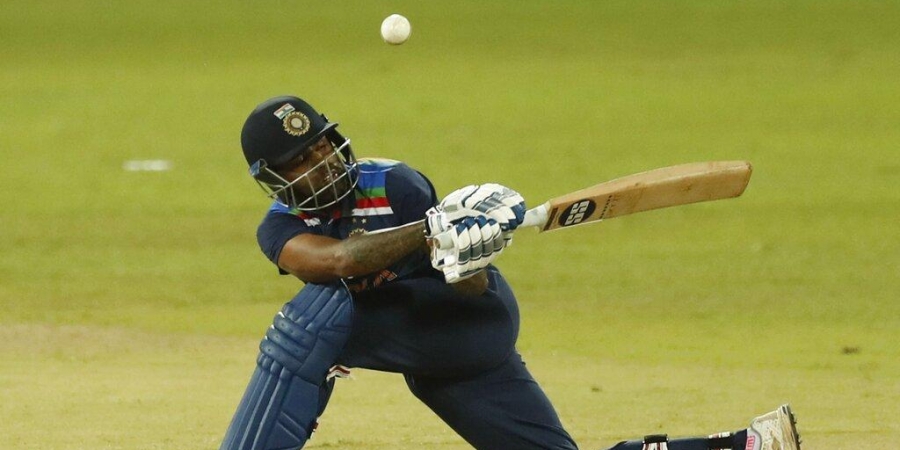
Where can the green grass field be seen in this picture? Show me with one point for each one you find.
(132, 302)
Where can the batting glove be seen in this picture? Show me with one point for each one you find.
(498, 202)
(466, 248)
(512, 200)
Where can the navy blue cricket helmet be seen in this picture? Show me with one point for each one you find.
(280, 130)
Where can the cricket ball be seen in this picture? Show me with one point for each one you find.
(395, 29)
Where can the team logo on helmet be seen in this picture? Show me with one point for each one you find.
(296, 123)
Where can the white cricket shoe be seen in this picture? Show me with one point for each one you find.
(776, 430)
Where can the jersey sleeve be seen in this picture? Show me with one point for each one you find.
(275, 230)
(410, 193)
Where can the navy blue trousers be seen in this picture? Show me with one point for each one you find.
(458, 356)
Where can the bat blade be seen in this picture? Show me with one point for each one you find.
(645, 191)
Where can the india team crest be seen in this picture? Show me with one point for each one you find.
(296, 123)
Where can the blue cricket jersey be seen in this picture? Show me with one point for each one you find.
(389, 194)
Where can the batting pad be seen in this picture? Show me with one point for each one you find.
(279, 408)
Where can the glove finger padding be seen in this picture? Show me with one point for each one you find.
(519, 210)
(491, 236)
(455, 199)
(476, 245)
(511, 199)
(469, 236)
(495, 208)
(467, 248)
(498, 202)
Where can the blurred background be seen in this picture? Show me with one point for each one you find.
(133, 293)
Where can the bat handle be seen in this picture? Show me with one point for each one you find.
(536, 217)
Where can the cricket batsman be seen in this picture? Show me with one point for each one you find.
(379, 295)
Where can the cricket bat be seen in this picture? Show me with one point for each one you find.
(645, 191)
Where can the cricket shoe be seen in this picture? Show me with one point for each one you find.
(776, 430)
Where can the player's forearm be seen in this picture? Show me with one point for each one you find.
(319, 259)
(370, 252)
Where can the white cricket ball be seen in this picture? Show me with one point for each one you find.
(395, 29)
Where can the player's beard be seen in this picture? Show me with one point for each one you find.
(327, 182)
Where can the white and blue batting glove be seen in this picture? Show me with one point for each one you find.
(462, 249)
(485, 242)
(512, 200)
(498, 202)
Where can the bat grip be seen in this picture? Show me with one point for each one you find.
(536, 217)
